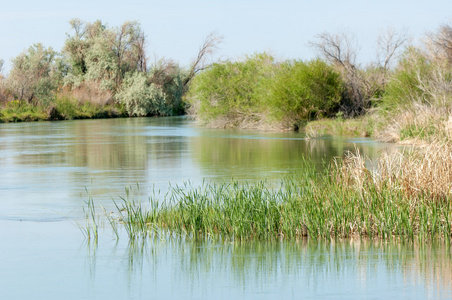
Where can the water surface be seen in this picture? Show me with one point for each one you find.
(47, 170)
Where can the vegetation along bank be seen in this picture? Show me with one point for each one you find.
(101, 72)
(403, 95)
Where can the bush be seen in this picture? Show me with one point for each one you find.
(19, 111)
(404, 87)
(258, 90)
(229, 89)
(303, 91)
(139, 97)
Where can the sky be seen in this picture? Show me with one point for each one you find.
(175, 29)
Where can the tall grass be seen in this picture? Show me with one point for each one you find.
(406, 197)
(91, 228)
(62, 108)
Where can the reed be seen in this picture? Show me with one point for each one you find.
(91, 228)
(407, 196)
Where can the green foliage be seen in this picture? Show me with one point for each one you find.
(139, 97)
(65, 108)
(170, 78)
(302, 91)
(228, 89)
(404, 87)
(35, 74)
(288, 93)
(19, 111)
(98, 53)
(62, 108)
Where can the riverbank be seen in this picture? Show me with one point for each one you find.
(61, 109)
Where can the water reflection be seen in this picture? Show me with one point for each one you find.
(271, 155)
(341, 269)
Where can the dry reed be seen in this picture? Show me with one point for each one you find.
(421, 172)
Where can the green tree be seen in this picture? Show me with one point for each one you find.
(35, 74)
(228, 89)
(171, 79)
(102, 54)
(301, 91)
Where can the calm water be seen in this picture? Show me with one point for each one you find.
(48, 169)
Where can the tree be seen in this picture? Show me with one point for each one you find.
(362, 85)
(34, 74)
(169, 77)
(390, 44)
(440, 43)
(105, 55)
(208, 47)
(340, 49)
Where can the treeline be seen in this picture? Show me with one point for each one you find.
(405, 92)
(101, 71)
(259, 90)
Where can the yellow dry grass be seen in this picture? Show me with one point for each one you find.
(426, 171)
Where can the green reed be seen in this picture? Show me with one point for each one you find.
(308, 205)
(311, 204)
(91, 228)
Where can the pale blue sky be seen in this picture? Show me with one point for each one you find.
(176, 28)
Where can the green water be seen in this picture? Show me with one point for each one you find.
(47, 170)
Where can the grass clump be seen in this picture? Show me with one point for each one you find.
(62, 108)
(406, 197)
(18, 111)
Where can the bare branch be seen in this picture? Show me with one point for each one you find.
(208, 47)
(389, 45)
(339, 49)
(440, 43)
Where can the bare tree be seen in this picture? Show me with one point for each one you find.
(440, 43)
(141, 52)
(389, 45)
(362, 85)
(208, 47)
(128, 46)
(339, 49)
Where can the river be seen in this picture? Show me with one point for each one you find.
(49, 169)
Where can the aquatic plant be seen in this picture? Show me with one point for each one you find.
(91, 228)
(406, 197)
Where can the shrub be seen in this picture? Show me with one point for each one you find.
(139, 97)
(228, 89)
(404, 87)
(301, 91)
